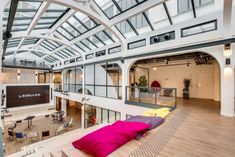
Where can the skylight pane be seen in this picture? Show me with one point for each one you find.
(25, 10)
(89, 44)
(77, 25)
(52, 14)
(65, 33)
(82, 46)
(176, 16)
(111, 35)
(126, 4)
(159, 20)
(140, 24)
(70, 29)
(104, 37)
(96, 41)
(125, 29)
(107, 7)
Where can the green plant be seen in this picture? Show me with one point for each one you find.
(187, 83)
(143, 83)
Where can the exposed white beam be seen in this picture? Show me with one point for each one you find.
(86, 9)
(35, 20)
(136, 10)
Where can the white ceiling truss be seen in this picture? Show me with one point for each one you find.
(60, 43)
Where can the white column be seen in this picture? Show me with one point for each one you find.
(125, 80)
(83, 115)
(227, 85)
(83, 80)
(64, 106)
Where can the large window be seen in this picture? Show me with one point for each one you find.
(73, 80)
(104, 80)
(186, 5)
(95, 115)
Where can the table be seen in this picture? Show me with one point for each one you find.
(29, 119)
(32, 135)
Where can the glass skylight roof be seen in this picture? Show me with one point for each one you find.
(52, 14)
(24, 14)
(112, 8)
(50, 45)
(29, 41)
(75, 26)
(159, 16)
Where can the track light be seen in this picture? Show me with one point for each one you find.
(156, 39)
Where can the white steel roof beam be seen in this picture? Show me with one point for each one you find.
(35, 20)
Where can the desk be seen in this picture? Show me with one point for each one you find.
(29, 119)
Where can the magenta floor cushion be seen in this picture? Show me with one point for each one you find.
(104, 141)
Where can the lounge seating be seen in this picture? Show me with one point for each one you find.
(161, 112)
(20, 135)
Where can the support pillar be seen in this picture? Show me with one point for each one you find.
(64, 106)
(227, 84)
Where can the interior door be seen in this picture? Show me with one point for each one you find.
(202, 85)
(205, 84)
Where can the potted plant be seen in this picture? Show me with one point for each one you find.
(143, 84)
(187, 83)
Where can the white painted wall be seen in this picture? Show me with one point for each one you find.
(205, 79)
(10, 76)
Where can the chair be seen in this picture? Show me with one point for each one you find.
(62, 128)
(32, 135)
(20, 135)
(53, 116)
(47, 116)
(70, 122)
(60, 117)
(13, 126)
(11, 134)
(45, 134)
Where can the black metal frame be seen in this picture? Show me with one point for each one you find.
(204, 23)
(114, 48)
(134, 42)
(11, 17)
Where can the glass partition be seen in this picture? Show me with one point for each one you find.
(95, 115)
(151, 97)
(104, 80)
(73, 80)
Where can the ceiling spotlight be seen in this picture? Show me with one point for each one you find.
(156, 39)
(154, 68)
(167, 36)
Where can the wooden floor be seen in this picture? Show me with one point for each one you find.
(202, 133)
(40, 124)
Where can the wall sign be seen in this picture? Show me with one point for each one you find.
(18, 96)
